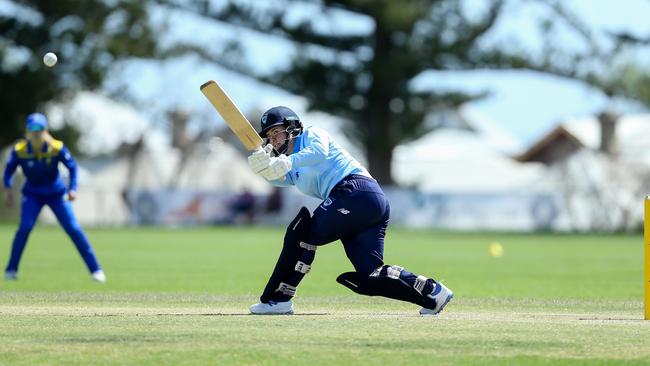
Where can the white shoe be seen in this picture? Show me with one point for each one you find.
(442, 295)
(11, 276)
(99, 276)
(272, 308)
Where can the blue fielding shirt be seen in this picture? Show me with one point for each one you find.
(318, 164)
(41, 168)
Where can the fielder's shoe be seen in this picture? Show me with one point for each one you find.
(442, 295)
(11, 275)
(99, 276)
(272, 308)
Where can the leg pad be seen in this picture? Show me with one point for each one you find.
(394, 288)
(294, 262)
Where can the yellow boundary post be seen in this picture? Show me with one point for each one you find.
(646, 261)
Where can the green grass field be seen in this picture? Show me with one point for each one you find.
(182, 296)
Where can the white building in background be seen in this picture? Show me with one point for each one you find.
(157, 189)
(108, 186)
(600, 167)
(465, 178)
(631, 136)
(104, 122)
(463, 155)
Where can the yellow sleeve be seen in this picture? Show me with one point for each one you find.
(21, 148)
(57, 145)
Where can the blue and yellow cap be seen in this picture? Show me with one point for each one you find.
(36, 122)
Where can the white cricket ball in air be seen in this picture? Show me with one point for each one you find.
(50, 59)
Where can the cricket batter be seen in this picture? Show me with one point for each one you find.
(354, 210)
(39, 156)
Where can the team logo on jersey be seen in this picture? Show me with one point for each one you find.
(328, 201)
(30, 163)
(343, 211)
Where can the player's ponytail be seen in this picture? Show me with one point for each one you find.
(47, 137)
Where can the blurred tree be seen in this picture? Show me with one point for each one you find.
(630, 80)
(88, 36)
(366, 75)
(70, 135)
(637, 84)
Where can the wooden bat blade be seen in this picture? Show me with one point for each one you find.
(232, 115)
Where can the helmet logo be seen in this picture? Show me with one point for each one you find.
(264, 118)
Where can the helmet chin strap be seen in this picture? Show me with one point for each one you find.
(285, 146)
(283, 149)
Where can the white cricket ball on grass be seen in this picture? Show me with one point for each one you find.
(50, 59)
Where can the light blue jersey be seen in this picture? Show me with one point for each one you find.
(318, 164)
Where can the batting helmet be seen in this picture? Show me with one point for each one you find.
(280, 116)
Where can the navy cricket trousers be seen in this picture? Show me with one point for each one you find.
(357, 213)
(30, 208)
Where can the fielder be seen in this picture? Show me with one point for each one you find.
(354, 210)
(39, 156)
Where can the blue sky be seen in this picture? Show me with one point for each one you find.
(525, 104)
(529, 104)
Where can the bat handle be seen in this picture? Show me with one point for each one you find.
(267, 149)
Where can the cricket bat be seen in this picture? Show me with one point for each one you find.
(232, 115)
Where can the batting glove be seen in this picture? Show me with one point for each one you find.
(260, 159)
(278, 168)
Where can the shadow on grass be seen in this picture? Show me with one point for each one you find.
(614, 319)
(194, 314)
